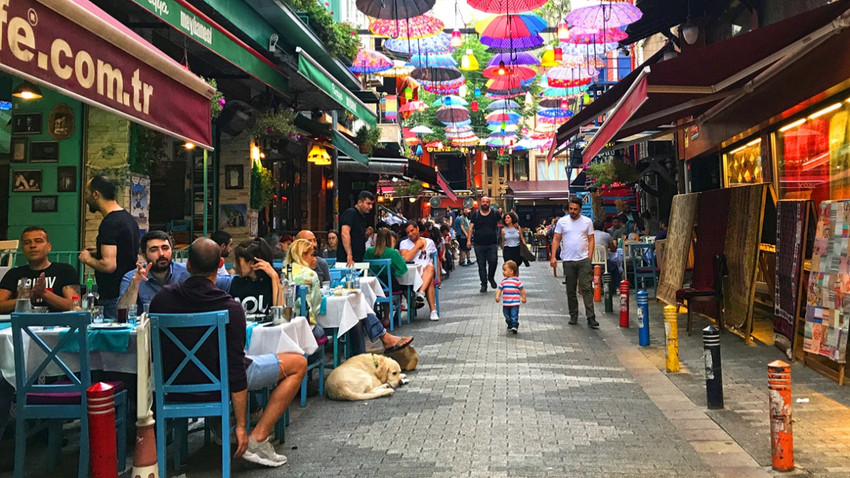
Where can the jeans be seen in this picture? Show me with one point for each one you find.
(487, 257)
(511, 315)
(110, 307)
(580, 273)
(373, 328)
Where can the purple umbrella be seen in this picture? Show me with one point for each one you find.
(436, 74)
(604, 15)
(524, 43)
(518, 58)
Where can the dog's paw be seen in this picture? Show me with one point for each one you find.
(404, 381)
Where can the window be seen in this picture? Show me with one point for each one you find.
(555, 170)
(743, 165)
(489, 169)
(501, 170)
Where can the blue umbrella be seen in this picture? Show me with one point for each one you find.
(503, 105)
(439, 43)
(432, 60)
(554, 113)
(450, 100)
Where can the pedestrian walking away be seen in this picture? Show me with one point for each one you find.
(484, 234)
(574, 234)
(512, 293)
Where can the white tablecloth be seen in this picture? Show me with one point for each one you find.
(412, 277)
(292, 337)
(371, 289)
(344, 312)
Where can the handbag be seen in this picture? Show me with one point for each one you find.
(525, 253)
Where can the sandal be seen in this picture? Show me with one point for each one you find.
(402, 343)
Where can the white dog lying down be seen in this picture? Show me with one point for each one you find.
(364, 377)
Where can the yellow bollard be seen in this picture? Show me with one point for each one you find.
(671, 330)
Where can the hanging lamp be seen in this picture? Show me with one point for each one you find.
(457, 39)
(563, 31)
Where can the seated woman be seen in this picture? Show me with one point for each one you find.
(385, 249)
(256, 285)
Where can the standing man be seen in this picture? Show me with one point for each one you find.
(574, 233)
(117, 242)
(352, 228)
(225, 243)
(461, 226)
(484, 233)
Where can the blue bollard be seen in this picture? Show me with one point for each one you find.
(643, 318)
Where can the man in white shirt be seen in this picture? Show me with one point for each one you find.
(574, 234)
(420, 251)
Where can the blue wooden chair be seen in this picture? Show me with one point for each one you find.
(315, 361)
(61, 400)
(642, 257)
(381, 268)
(437, 282)
(336, 274)
(331, 262)
(189, 336)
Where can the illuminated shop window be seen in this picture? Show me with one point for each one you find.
(743, 165)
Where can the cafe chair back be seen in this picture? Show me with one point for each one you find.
(188, 334)
(600, 257)
(381, 269)
(642, 256)
(315, 361)
(436, 260)
(64, 398)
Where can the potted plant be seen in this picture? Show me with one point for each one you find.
(367, 138)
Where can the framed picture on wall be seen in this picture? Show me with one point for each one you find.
(60, 122)
(18, 148)
(26, 180)
(66, 179)
(45, 203)
(44, 151)
(26, 123)
(234, 176)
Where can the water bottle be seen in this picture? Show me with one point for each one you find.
(91, 297)
(22, 303)
(75, 303)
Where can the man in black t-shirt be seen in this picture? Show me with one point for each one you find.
(53, 283)
(484, 234)
(352, 228)
(117, 243)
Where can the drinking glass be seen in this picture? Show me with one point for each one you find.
(97, 315)
(326, 288)
(123, 313)
(131, 314)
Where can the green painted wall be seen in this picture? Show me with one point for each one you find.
(63, 226)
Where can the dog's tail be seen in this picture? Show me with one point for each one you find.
(355, 396)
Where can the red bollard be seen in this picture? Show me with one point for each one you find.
(103, 454)
(597, 283)
(781, 435)
(624, 304)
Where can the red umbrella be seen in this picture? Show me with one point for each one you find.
(416, 27)
(587, 36)
(435, 145)
(511, 26)
(522, 73)
(412, 106)
(505, 6)
(505, 83)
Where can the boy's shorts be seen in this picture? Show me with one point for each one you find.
(263, 371)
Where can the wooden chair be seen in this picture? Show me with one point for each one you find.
(698, 292)
(317, 359)
(643, 265)
(382, 270)
(8, 252)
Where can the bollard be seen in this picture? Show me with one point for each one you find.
(643, 318)
(624, 304)
(713, 369)
(671, 330)
(781, 436)
(144, 459)
(606, 292)
(597, 283)
(103, 454)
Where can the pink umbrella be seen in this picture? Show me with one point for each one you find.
(506, 6)
(416, 27)
(586, 36)
(604, 15)
(522, 73)
(412, 106)
(369, 61)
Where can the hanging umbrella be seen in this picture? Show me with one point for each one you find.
(416, 27)
(507, 94)
(421, 129)
(599, 49)
(440, 43)
(502, 6)
(473, 141)
(604, 15)
(564, 73)
(583, 36)
(395, 9)
(441, 88)
(546, 120)
(496, 50)
(517, 44)
(511, 25)
(555, 83)
(554, 113)
(499, 123)
(522, 73)
(435, 145)
(457, 124)
(550, 103)
(413, 106)
(503, 134)
(498, 116)
(508, 127)
(452, 114)
(506, 83)
(432, 61)
(436, 74)
(577, 61)
(450, 100)
(498, 142)
(549, 92)
(398, 70)
(369, 61)
(503, 105)
(517, 58)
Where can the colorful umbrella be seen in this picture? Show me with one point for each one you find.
(421, 129)
(398, 70)
(395, 9)
(498, 116)
(452, 114)
(582, 62)
(550, 102)
(450, 100)
(458, 130)
(564, 73)
(457, 124)
(503, 105)
(507, 94)
(517, 58)
(498, 142)
(555, 83)
(554, 113)
(502, 6)
(436, 74)
(545, 120)
(439, 43)
(413, 106)
(473, 141)
(416, 27)
(511, 25)
(505, 83)
(604, 15)
(515, 44)
(522, 73)
(441, 88)
(432, 61)
(584, 36)
(369, 61)
(435, 145)
(503, 134)
(508, 127)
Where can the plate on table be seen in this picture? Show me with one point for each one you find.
(256, 317)
(5, 318)
(110, 325)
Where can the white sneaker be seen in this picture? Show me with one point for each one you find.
(263, 453)
(434, 315)
(420, 300)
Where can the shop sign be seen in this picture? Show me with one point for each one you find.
(335, 90)
(46, 47)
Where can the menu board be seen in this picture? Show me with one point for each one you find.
(791, 225)
(829, 282)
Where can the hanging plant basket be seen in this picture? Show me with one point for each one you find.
(275, 124)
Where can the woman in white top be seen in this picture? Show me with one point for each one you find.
(511, 239)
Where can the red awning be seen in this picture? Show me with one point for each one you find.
(694, 82)
(74, 47)
(539, 189)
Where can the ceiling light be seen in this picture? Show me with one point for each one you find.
(27, 91)
(792, 125)
(825, 110)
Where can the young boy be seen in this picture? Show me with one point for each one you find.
(511, 288)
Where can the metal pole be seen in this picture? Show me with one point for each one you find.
(206, 194)
(335, 160)
(781, 435)
(671, 329)
(597, 283)
(103, 453)
(643, 318)
(713, 370)
(606, 289)
(624, 304)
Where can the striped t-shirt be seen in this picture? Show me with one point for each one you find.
(510, 287)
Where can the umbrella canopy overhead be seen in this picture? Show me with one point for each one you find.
(503, 105)
(554, 113)
(508, 127)
(556, 83)
(416, 27)
(506, 94)
(432, 61)
(398, 70)
(498, 116)
(550, 102)
(517, 44)
(439, 43)
(421, 129)
(583, 36)
(435, 145)
(505, 6)
(412, 106)
(604, 15)
(500, 141)
(506, 83)
(517, 58)
(457, 124)
(436, 74)
(511, 26)
(452, 114)
(395, 9)
(369, 61)
(522, 73)
(450, 100)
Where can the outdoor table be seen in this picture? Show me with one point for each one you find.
(371, 289)
(344, 311)
(412, 277)
(294, 336)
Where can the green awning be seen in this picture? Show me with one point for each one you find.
(310, 69)
(342, 143)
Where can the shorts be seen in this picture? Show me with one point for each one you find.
(461, 244)
(263, 371)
